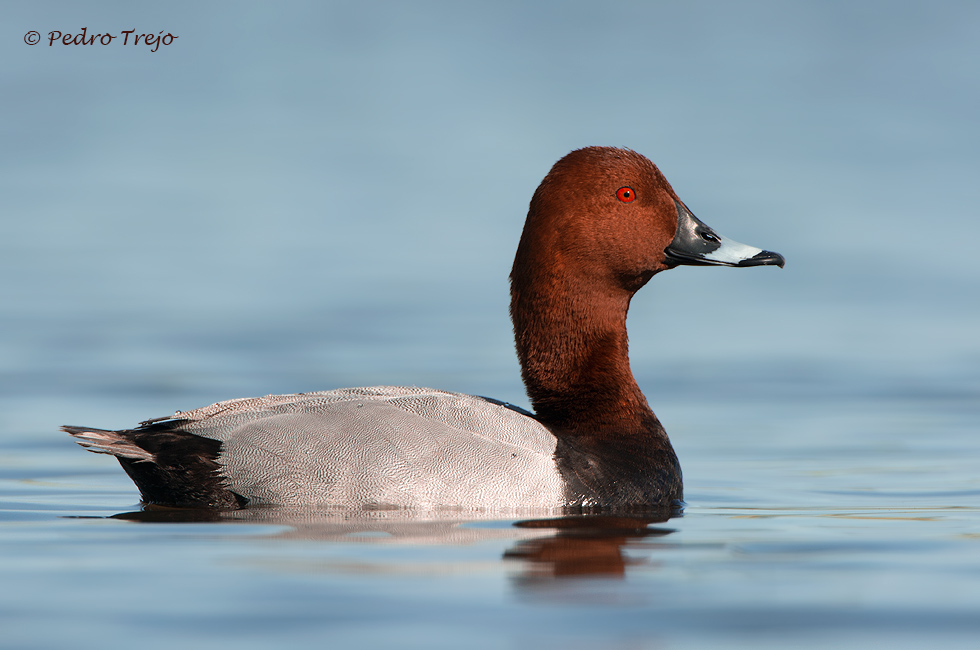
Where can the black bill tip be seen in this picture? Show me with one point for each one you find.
(764, 258)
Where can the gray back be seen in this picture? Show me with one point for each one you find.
(383, 446)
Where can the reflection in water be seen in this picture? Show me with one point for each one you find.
(582, 546)
(551, 545)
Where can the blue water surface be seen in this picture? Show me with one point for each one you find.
(303, 196)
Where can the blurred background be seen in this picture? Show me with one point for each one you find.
(305, 195)
(302, 195)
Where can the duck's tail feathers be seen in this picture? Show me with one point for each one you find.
(114, 443)
(171, 467)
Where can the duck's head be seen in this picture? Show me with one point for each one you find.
(608, 215)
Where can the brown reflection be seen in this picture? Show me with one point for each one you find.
(583, 546)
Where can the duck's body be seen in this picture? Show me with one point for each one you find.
(600, 225)
(385, 446)
(377, 447)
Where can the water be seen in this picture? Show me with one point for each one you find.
(322, 195)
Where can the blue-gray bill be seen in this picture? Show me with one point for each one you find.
(695, 243)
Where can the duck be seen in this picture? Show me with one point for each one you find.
(600, 225)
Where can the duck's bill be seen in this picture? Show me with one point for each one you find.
(697, 244)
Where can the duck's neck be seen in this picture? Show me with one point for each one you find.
(572, 344)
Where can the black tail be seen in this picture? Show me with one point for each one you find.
(170, 467)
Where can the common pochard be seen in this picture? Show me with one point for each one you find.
(600, 225)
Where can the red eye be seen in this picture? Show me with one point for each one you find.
(625, 194)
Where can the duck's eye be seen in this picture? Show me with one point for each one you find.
(625, 194)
